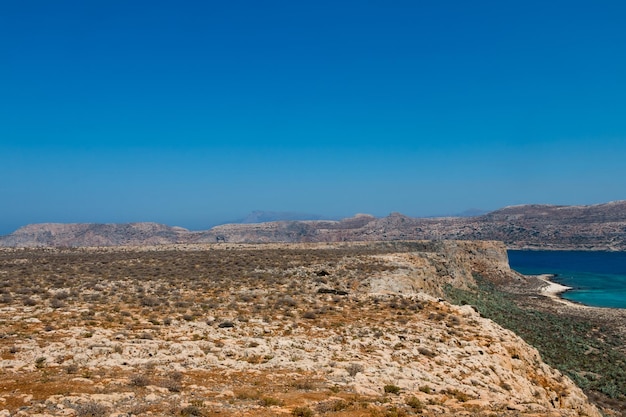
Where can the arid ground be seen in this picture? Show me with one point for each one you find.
(264, 330)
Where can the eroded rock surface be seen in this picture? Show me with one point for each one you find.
(127, 332)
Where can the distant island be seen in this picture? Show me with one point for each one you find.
(591, 227)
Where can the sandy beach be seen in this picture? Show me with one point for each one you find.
(554, 290)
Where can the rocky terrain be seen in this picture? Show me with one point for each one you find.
(596, 227)
(223, 329)
(92, 234)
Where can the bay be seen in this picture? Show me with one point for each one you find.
(597, 278)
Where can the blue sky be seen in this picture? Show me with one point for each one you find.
(193, 113)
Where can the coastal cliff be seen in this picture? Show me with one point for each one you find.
(266, 329)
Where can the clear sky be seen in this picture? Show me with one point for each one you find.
(193, 113)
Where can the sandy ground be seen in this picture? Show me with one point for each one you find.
(554, 291)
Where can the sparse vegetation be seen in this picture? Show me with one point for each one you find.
(459, 395)
(310, 315)
(425, 389)
(354, 368)
(40, 362)
(332, 406)
(140, 380)
(71, 368)
(391, 389)
(302, 412)
(192, 411)
(414, 403)
(271, 401)
(218, 331)
(90, 409)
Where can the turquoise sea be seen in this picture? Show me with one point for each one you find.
(597, 278)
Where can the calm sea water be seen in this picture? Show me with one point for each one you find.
(597, 278)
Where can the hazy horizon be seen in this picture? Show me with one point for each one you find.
(196, 113)
(298, 216)
(242, 219)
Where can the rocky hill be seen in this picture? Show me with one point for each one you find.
(349, 330)
(93, 234)
(595, 227)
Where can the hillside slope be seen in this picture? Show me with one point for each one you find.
(93, 234)
(597, 227)
(353, 330)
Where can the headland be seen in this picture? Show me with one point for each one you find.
(307, 329)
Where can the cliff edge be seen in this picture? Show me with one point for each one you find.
(274, 329)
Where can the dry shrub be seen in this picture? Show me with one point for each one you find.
(354, 368)
(302, 412)
(247, 394)
(140, 380)
(90, 409)
(309, 315)
(192, 411)
(391, 389)
(331, 406)
(414, 403)
(269, 401)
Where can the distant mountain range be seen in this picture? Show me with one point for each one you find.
(594, 227)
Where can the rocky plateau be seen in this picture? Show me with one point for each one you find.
(308, 329)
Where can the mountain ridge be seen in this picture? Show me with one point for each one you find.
(531, 226)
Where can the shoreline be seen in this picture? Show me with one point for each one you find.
(554, 290)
